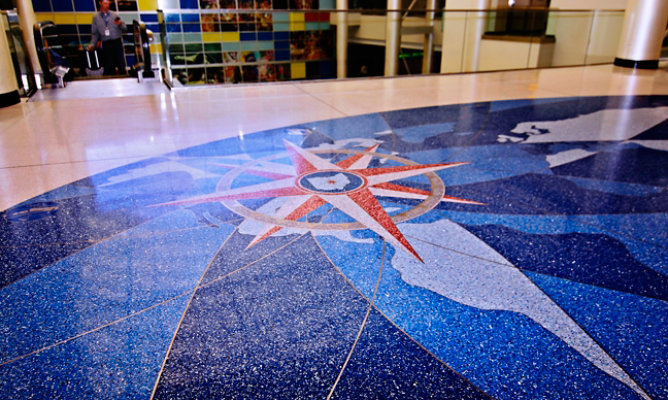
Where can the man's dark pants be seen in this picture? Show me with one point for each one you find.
(112, 57)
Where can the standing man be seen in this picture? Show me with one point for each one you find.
(108, 28)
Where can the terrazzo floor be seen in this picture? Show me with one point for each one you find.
(487, 236)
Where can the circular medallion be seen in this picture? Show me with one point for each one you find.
(331, 182)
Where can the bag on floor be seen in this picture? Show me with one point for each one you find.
(93, 67)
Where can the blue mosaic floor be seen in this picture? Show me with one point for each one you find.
(505, 250)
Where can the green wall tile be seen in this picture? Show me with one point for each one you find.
(194, 48)
(327, 4)
(265, 45)
(175, 37)
(212, 47)
(281, 27)
(231, 46)
(281, 17)
(129, 17)
(192, 37)
(248, 46)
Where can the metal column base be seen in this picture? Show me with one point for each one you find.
(645, 64)
(9, 99)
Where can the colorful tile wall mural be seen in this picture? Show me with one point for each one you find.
(218, 41)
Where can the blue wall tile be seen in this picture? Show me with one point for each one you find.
(172, 18)
(84, 5)
(328, 69)
(191, 23)
(283, 55)
(67, 29)
(173, 27)
(190, 18)
(62, 5)
(149, 17)
(282, 45)
(84, 29)
(281, 35)
(248, 36)
(189, 4)
(264, 36)
(41, 5)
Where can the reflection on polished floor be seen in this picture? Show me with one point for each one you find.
(484, 236)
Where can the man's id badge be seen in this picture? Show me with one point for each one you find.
(106, 32)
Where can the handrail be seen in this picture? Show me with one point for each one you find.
(474, 27)
(142, 50)
(383, 10)
(54, 64)
(165, 65)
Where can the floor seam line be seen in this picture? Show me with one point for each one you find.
(322, 101)
(95, 243)
(362, 326)
(82, 334)
(250, 264)
(185, 311)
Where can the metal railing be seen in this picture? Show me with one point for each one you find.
(221, 46)
(142, 45)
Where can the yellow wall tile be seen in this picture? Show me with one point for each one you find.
(297, 21)
(147, 5)
(44, 16)
(60, 18)
(84, 18)
(297, 17)
(298, 70)
(156, 48)
(297, 26)
(230, 36)
(208, 37)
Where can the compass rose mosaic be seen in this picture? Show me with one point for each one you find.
(348, 185)
(504, 250)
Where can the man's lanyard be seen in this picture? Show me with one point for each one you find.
(106, 18)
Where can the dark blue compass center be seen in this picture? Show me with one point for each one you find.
(331, 182)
